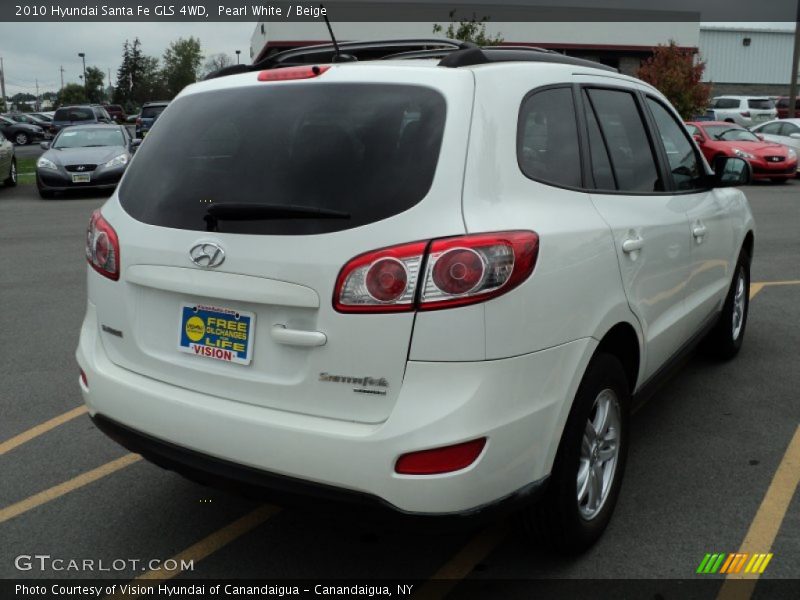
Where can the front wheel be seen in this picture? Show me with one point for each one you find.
(590, 462)
(21, 139)
(725, 340)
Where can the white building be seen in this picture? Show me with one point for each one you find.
(747, 60)
(620, 45)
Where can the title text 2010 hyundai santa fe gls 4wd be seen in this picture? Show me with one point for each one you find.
(435, 283)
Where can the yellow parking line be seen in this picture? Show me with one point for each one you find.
(767, 522)
(68, 486)
(755, 288)
(461, 565)
(210, 544)
(33, 432)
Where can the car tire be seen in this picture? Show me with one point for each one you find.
(11, 181)
(21, 138)
(725, 340)
(565, 518)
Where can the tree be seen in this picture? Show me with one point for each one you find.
(215, 62)
(677, 73)
(181, 64)
(469, 30)
(94, 84)
(72, 93)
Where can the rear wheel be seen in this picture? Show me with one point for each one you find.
(21, 139)
(725, 340)
(11, 181)
(588, 469)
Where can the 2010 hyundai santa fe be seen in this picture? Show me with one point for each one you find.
(436, 281)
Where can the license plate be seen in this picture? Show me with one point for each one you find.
(81, 177)
(216, 332)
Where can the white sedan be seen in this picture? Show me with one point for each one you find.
(783, 131)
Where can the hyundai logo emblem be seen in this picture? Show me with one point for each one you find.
(81, 168)
(207, 255)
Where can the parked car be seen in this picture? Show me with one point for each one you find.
(84, 156)
(782, 106)
(20, 133)
(147, 117)
(30, 119)
(46, 117)
(8, 163)
(782, 131)
(116, 112)
(768, 159)
(78, 115)
(389, 282)
(744, 110)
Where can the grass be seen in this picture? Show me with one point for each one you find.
(26, 171)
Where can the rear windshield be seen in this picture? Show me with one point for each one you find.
(148, 112)
(365, 151)
(760, 103)
(74, 114)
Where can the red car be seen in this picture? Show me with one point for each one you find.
(782, 104)
(769, 160)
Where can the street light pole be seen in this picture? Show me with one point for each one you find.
(795, 65)
(85, 83)
(238, 52)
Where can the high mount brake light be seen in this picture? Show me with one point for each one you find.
(456, 271)
(290, 73)
(102, 247)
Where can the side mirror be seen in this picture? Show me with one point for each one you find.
(795, 136)
(44, 145)
(699, 138)
(760, 136)
(135, 144)
(731, 171)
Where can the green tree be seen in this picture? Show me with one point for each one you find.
(151, 85)
(181, 65)
(72, 93)
(469, 30)
(94, 84)
(215, 62)
(678, 74)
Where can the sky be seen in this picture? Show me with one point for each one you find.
(33, 51)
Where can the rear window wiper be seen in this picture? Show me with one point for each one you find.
(245, 211)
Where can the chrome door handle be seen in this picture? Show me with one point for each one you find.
(632, 245)
(699, 230)
(297, 337)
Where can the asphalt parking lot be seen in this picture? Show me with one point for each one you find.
(707, 472)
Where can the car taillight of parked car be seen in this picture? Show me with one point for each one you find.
(455, 271)
(102, 247)
(746, 114)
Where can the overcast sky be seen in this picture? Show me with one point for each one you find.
(37, 50)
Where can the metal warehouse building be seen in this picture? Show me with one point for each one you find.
(748, 61)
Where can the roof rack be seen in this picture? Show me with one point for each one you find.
(453, 54)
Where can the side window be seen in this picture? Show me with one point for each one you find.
(727, 103)
(602, 173)
(693, 131)
(625, 137)
(771, 129)
(683, 161)
(547, 138)
(787, 129)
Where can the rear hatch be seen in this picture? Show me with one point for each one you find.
(761, 109)
(148, 116)
(64, 117)
(384, 145)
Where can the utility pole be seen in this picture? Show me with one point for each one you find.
(37, 94)
(3, 84)
(85, 83)
(109, 87)
(61, 68)
(795, 65)
(238, 52)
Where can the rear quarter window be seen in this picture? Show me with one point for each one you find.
(727, 103)
(149, 112)
(368, 150)
(761, 103)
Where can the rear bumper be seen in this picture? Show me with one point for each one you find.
(519, 404)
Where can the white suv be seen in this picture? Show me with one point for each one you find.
(437, 284)
(746, 111)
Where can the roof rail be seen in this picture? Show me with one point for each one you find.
(453, 53)
(496, 54)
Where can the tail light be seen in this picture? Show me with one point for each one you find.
(454, 271)
(440, 460)
(138, 120)
(83, 379)
(102, 247)
(746, 114)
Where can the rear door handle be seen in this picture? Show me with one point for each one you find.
(297, 337)
(632, 244)
(699, 230)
